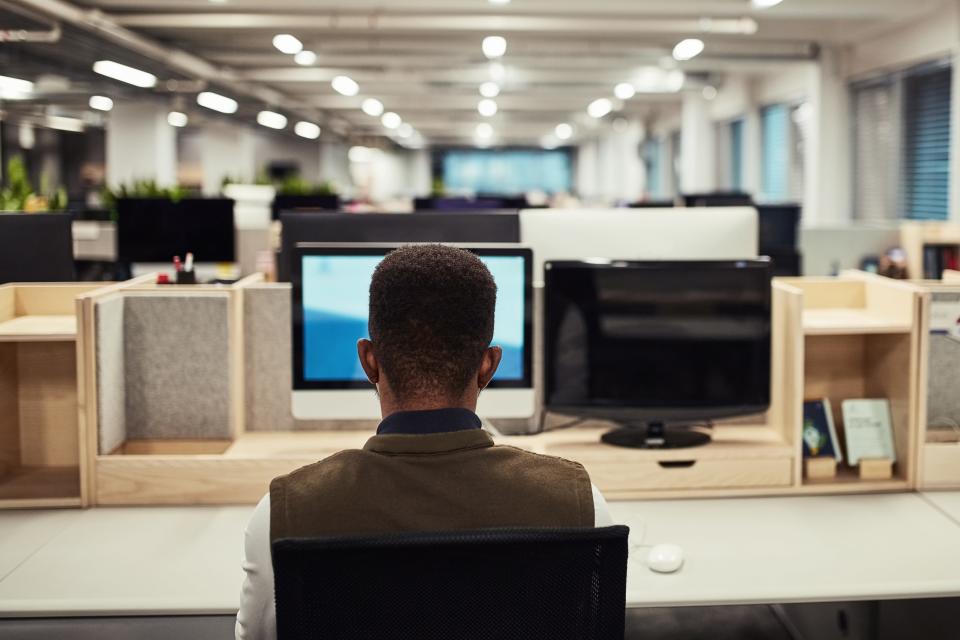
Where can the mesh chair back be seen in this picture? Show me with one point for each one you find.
(530, 584)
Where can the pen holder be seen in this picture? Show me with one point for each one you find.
(820, 467)
(876, 468)
(186, 277)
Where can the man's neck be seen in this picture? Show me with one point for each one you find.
(388, 408)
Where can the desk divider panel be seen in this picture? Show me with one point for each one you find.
(163, 364)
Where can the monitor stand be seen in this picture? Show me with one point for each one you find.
(656, 435)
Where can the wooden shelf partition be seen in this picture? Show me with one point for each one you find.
(849, 337)
(938, 402)
(40, 461)
(861, 340)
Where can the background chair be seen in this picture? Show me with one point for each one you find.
(496, 583)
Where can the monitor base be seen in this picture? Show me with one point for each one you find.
(656, 435)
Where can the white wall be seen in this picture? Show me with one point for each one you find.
(270, 147)
(140, 144)
(609, 167)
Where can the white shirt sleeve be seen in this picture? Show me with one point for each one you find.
(601, 513)
(257, 617)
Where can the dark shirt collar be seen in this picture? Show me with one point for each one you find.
(425, 422)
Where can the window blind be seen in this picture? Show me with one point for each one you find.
(736, 155)
(926, 127)
(775, 152)
(874, 152)
(653, 161)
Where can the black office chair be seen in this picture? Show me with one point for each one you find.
(529, 584)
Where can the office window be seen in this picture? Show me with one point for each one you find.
(775, 152)
(901, 140)
(874, 150)
(926, 129)
(735, 129)
(652, 153)
(507, 172)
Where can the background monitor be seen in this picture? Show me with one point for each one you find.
(487, 227)
(156, 229)
(36, 247)
(718, 199)
(330, 305)
(728, 233)
(653, 343)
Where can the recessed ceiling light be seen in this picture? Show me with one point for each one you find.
(563, 131)
(599, 108)
(101, 103)
(624, 91)
(345, 85)
(123, 73)
(15, 88)
(391, 120)
(709, 93)
(307, 130)
(484, 131)
(765, 4)
(405, 130)
(688, 49)
(499, 1)
(217, 102)
(177, 119)
(305, 58)
(272, 119)
(487, 107)
(489, 89)
(287, 43)
(494, 46)
(372, 107)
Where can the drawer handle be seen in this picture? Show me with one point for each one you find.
(676, 464)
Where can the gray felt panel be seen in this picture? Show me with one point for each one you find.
(267, 358)
(111, 393)
(177, 352)
(943, 386)
(268, 364)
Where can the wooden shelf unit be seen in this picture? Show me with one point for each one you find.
(916, 235)
(868, 349)
(40, 460)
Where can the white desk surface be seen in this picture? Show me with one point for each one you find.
(946, 501)
(186, 560)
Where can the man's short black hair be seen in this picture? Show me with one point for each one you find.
(431, 318)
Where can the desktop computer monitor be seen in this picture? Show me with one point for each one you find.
(660, 347)
(331, 294)
(36, 247)
(393, 228)
(156, 229)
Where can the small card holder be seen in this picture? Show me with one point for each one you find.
(876, 468)
(820, 467)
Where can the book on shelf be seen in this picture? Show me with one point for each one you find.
(939, 257)
(819, 431)
(868, 429)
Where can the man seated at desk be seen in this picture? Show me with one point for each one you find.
(430, 467)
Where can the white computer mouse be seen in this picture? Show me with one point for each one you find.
(665, 558)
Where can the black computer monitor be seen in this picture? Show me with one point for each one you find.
(156, 229)
(36, 247)
(658, 346)
(718, 199)
(393, 228)
(309, 204)
(480, 203)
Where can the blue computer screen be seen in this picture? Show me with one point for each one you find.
(336, 298)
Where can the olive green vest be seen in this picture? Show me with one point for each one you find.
(434, 482)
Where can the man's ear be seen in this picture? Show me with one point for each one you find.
(488, 366)
(368, 360)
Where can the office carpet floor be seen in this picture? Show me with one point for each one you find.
(705, 623)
